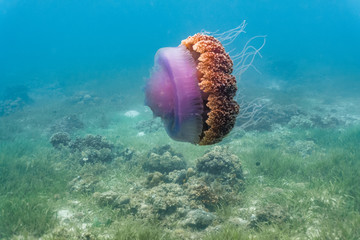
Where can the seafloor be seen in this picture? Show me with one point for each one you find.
(85, 165)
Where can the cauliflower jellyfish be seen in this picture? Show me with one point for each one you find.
(192, 86)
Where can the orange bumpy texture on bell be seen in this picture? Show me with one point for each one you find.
(218, 86)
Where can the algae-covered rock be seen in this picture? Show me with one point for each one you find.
(90, 149)
(154, 179)
(164, 162)
(93, 155)
(105, 198)
(10, 106)
(149, 126)
(127, 154)
(166, 198)
(14, 99)
(111, 198)
(90, 141)
(60, 139)
(178, 176)
(120, 201)
(300, 121)
(165, 148)
(178, 196)
(219, 161)
(204, 195)
(327, 121)
(68, 124)
(198, 219)
(270, 214)
(84, 98)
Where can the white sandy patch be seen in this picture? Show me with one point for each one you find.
(132, 113)
(141, 134)
(64, 215)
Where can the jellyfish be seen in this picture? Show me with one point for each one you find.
(192, 89)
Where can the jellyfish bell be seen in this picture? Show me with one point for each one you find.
(173, 94)
(192, 90)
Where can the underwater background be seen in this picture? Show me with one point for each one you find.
(81, 156)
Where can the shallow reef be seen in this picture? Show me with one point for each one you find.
(89, 149)
(263, 116)
(179, 196)
(14, 99)
(67, 124)
(149, 126)
(66, 176)
(164, 160)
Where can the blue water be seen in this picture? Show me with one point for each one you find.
(73, 42)
(78, 146)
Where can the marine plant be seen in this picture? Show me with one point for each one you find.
(28, 185)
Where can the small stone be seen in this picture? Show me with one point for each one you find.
(106, 198)
(237, 221)
(190, 172)
(120, 201)
(132, 114)
(270, 214)
(198, 219)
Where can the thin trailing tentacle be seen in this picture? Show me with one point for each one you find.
(245, 58)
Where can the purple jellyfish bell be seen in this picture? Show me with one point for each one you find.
(173, 93)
